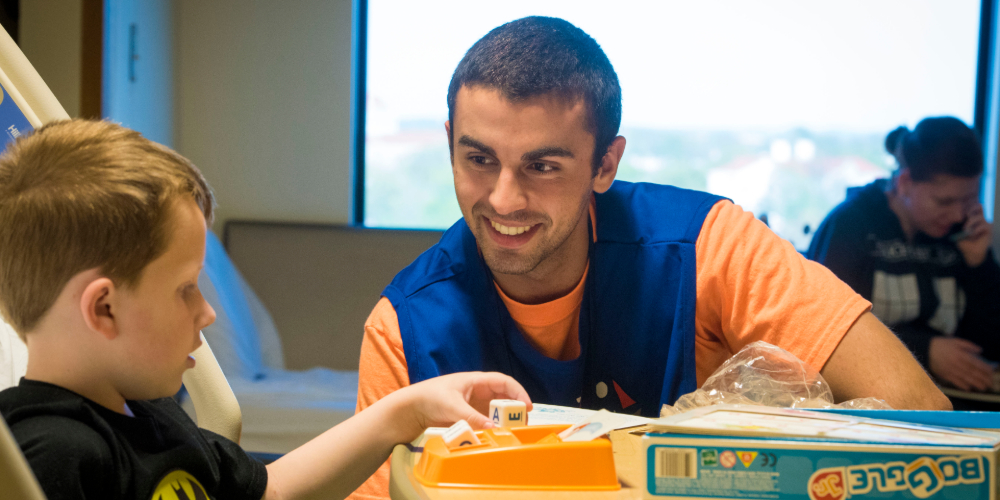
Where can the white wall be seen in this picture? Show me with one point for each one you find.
(50, 35)
(263, 92)
(143, 98)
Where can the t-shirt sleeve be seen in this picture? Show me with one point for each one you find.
(69, 459)
(753, 285)
(382, 369)
(240, 475)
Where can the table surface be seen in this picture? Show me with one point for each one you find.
(986, 397)
(626, 445)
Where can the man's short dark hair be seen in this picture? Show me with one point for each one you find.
(536, 56)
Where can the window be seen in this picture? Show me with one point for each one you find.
(779, 105)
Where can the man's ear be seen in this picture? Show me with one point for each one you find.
(451, 148)
(609, 165)
(98, 303)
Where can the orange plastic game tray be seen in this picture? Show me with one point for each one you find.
(529, 458)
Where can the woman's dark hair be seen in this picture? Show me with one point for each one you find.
(536, 56)
(937, 145)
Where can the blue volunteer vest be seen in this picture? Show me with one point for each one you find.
(636, 319)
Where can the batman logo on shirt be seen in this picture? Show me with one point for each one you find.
(179, 485)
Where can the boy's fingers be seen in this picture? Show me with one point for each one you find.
(478, 420)
(506, 387)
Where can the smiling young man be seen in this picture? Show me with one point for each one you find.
(597, 293)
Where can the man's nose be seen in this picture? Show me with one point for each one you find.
(508, 195)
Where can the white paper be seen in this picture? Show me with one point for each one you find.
(542, 414)
(591, 428)
(775, 422)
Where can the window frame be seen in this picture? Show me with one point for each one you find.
(985, 107)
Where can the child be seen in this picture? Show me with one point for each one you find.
(102, 238)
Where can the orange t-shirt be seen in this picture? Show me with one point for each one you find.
(751, 285)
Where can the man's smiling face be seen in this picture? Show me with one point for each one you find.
(523, 177)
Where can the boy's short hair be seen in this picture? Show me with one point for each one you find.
(78, 195)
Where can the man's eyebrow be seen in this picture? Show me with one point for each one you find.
(546, 151)
(474, 144)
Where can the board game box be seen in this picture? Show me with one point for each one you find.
(729, 452)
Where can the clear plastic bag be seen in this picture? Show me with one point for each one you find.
(762, 374)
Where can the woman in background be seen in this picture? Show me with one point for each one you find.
(918, 247)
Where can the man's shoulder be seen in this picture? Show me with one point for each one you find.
(441, 262)
(658, 194)
(650, 213)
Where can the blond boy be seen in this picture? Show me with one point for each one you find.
(102, 239)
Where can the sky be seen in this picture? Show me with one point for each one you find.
(846, 65)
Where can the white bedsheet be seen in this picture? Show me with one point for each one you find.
(285, 409)
(13, 357)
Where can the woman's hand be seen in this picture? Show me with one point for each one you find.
(957, 362)
(980, 234)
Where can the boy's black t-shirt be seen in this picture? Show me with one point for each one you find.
(921, 288)
(79, 449)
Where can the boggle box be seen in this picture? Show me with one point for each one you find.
(729, 452)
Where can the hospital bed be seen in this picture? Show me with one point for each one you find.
(282, 409)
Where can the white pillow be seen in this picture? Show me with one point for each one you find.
(243, 336)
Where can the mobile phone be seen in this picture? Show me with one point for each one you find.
(958, 233)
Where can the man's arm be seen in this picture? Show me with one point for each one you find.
(381, 371)
(871, 362)
(752, 285)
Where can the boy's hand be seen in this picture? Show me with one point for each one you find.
(442, 401)
(339, 460)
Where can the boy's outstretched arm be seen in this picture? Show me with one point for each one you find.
(336, 462)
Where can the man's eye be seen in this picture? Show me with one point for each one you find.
(479, 160)
(542, 167)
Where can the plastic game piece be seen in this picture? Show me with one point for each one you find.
(508, 413)
(431, 431)
(460, 435)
